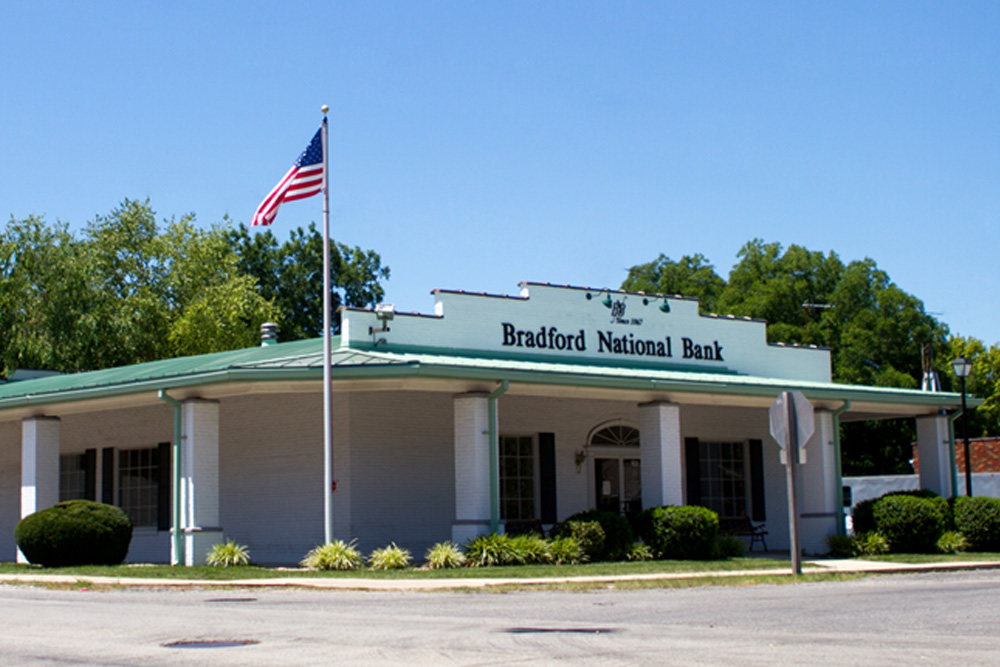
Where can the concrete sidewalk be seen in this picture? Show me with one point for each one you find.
(808, 567)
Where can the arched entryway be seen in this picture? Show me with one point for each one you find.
(617, 478)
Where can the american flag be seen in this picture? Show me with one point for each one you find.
(304, 179)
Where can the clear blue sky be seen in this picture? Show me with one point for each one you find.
(478, 144)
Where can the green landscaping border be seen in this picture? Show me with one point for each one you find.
(206, 573)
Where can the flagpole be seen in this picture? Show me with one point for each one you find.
(327, 360)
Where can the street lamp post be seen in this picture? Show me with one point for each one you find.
(962, 368)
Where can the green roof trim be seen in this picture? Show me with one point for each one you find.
(303, 361)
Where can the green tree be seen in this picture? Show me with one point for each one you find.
(45, 298)
(291, 276)
(875, 330)
(983, 381)
(692, 276)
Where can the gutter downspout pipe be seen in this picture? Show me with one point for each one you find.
(177, 539)
(494, 436)
(952, 418)
(839, 488)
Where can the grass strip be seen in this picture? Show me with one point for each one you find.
(502, 572)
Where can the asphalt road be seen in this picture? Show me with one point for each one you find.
(948, 618)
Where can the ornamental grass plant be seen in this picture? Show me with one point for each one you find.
(391, 557)
(444, 555)
(337, 555)
(228, 554)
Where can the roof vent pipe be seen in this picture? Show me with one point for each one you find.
(268, 334)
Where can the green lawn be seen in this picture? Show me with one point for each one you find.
(935, 558)
(520, 572)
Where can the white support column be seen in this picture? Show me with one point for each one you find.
(661, 450)
(39, 466)
(200, 479)
(935, 455)
(472, 467)
(818, 494)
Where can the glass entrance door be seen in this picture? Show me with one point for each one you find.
(618, 485)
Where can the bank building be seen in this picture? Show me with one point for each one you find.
(492, 411)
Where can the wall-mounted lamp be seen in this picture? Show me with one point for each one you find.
(580, 457)
(664, 307)
(606, 301)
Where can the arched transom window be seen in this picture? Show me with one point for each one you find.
(617, 435)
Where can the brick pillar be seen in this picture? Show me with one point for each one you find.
(472, 467)
(39, 466)
(935, 461)
(200, 479)
(661, 450)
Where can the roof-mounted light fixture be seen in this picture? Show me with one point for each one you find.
(384, 313)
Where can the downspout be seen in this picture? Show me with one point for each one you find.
(839, 488)
(494, 436)
(175, 478)
(952, 418)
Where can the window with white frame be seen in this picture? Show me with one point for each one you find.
(72, 477)
(138, 485)
(517, 477)
(724, 478)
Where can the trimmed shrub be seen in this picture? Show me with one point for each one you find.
(952, 542)
(391, 557)
(337, 555)
(979, 520)
(863, 516)
(445, 555)
(228, 554)
(75, 532)
(683, 533)
(911, 523)
(617, 533)
(588, 534)
(566, 551)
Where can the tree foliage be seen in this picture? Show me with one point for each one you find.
(876, 331)
(130, 289)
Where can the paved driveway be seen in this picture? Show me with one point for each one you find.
(939, 618)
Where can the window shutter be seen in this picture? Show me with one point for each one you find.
(757, 480)
(163, 491)
(547, 475)
(108, 475)
(692, 464)
(90, 474)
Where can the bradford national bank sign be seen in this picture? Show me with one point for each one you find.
(580, 325)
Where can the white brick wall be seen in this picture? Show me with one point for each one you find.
(271, 483)
(394, 463)
(10, 487)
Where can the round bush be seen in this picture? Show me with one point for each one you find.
(75, 532)
(978, 519)
(617, 532)
(683, 533)
(911, 524)
(863, 516)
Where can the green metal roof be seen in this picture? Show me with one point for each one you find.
(303, 360)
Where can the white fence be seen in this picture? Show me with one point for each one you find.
(864, 488)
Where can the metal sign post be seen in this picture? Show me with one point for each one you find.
(792, 425)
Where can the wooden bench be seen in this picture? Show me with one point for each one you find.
(742, 526)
